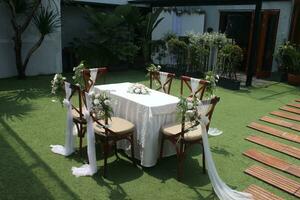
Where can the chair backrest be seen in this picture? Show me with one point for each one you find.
(209, 107)
(198, 85)
(163, 79)
(91, 75)
(76, 90)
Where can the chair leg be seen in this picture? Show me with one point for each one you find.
(132, 149)
(105, 151)
(162, 147)
(116, 150)
(203, 160)
(180, 162)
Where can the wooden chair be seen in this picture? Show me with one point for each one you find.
(113, 130)
(155, 76)
(88, 82)
(77, 114)
(186, 81)
(183, 135)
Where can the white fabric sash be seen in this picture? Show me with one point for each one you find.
(194, 84)
(163, 76)
(68, 149)
(91, 168)
(221, 189)
(93, 73)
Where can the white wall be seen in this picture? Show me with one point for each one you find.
(179, 24)
(46, 60)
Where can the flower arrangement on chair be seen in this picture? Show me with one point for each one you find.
(57, 87)
(153, 68)
(101, 105)
(77, 78)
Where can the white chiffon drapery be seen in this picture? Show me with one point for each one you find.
(194, 85)
(91, 168)
(68, 149)
(93, 73)
(221, 189)
(163, 76)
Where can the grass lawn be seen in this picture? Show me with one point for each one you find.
(30, 122)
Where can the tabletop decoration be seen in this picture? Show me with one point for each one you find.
(138, 88)
(57, 87)
(101, 105)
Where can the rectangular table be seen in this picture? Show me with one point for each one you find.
(149, 113)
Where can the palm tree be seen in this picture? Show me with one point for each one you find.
(45, 18)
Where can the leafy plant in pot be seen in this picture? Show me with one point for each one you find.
(229, 59)
(288, 57)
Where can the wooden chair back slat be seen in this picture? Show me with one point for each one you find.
(186, 81)
(155, 76)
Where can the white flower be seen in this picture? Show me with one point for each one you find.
(97, 95)
(137, 90)
(107, 102)
(96, 101)
(190, 105)
(190, 113)
(217, 76)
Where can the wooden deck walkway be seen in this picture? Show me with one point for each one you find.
(275, 179)
(286, 115)
(259, 193)
(277, 146)
(275, 132)
(273, 161)
(290, 109)
(280, 122)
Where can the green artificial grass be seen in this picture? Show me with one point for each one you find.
(30, 122)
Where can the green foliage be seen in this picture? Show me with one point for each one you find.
(179, 49)
(230, 58)
(111, 37)
(57, 87)
(101, 106)
(46, 20)
(211, 88)
(159, 49)
(77, 77)
(288, 57)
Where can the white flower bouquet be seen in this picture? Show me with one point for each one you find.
(57, 86)
(101, 105)
(138, 89)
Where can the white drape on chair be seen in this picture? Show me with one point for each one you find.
(91, 168)
(93, 73)
(68, 149)
(194, 84)
(163, 76)
(221, 189)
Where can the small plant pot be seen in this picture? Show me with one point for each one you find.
(294, 79)
(229, 83)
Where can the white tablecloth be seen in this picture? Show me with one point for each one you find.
(148, 113)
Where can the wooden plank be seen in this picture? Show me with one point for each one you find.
(273, 161)
(297, 100)
(259, 193)
(283, 148)
(286, 115)
(296, 105)
(281, 122)
(290, 109)
(274, 179)
(275, 132)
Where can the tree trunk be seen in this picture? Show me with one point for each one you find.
(18, 54)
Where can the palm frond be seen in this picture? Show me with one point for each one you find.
(47, 20)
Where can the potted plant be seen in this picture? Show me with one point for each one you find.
(229, 59)
(288, 57)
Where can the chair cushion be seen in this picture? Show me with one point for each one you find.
(117, 125)
(174, 129)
